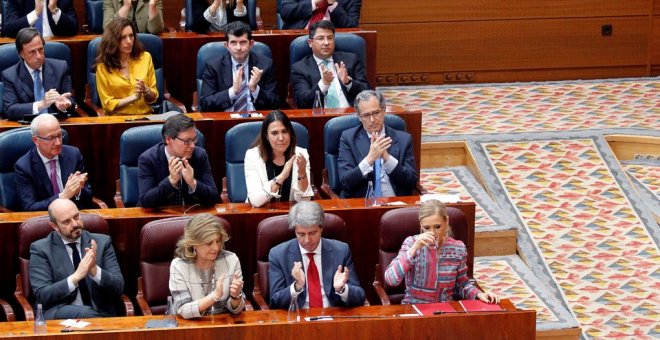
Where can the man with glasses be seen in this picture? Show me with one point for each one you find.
(374, 152)
(176, 171)
(36, 84)
(51, 169)
(337, 76)
(240, 80)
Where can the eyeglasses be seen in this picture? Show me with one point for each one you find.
(188, 141)
(50, 139)
(321, 39)
(368, 115)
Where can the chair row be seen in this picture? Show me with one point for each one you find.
(158, 241)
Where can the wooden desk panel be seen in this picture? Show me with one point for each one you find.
(98, 140)
(125, 225)
(378, 322)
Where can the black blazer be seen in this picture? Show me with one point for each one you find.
(16, 18)
(297, 13)
(199, 23)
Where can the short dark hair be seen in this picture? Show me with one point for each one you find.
(25, 35)
(176, 124)
(265, 150)
(325, 24)
(237, 29)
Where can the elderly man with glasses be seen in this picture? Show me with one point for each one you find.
(176, 171)
(51, 170)
(373, 152)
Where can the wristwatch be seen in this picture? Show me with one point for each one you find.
(238, 297)
(56, 11)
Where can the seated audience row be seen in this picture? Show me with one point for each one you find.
(206, 279)
(59, 18)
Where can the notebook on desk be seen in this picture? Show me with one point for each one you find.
(434, 308)
(479, 306)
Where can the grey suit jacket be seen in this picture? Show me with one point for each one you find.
(50, 266)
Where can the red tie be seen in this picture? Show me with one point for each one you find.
(313, 283)
(318, 13)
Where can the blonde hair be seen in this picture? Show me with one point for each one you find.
(200, 229)
(434, 207)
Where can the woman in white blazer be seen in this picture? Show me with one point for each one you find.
(275, 167)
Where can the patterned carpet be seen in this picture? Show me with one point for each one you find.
(583, 227)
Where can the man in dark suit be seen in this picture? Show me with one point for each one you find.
(294, 276)
(364, 145)
(337, 76)
(24, 91)
(50, 170)
(225, 88)
(50, 17)
(74, 273)
(299, 13)
(175, 171)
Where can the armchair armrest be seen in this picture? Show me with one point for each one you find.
(88, 102)
(139, 297)
(420, 189)
(289, 97)
(99, 203)
(28, 312)
(7, 310)
(224, 194)
(173, 100)
(4, 210)
(128, 305)
(80, 112)
(195, 102)
(325, 186)
(248, 305)
(382, 295)
(256, 294)
(119, 203)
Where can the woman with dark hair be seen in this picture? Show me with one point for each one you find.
(433, 264)
(125, 76)
(275, 166)
(205, 278)
(214, 15)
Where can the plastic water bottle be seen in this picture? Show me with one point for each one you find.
(317, 109)
(170, 314)
(293, 315)
(39, 321)
(370, 197)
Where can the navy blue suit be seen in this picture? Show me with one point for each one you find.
(16, 18)
(297, 13)
(155, 188)
(305, 78)
(33, 186)
(50, 266)
(354, 147)
(18, 94)
(333, 254)
(218, 78)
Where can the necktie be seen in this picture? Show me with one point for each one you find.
(39, 24)
(82, 284)
(331, 100)
(53, 176)
(313, 283)
(318, 13)
(38, 86)
(240, 105)
(377, 179)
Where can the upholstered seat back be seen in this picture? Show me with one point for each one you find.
(237, 141)
(94, 9)
(395, 226)
(332, 135)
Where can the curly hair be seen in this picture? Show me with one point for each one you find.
(200, 229)
(108, 51)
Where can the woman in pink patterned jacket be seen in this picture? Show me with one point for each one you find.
(434, 264)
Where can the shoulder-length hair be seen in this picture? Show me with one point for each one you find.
(108, 51)
(202, 228)
(265, 149)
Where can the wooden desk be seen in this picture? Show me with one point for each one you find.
(180, 58)
(125, 225)
(98, 140)
(378, 322)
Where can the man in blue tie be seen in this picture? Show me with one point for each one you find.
(374, 152)
(36, 84)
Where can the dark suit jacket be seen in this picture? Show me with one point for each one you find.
(333, 254)
(18, 94)
(50, 265)
(354, 146)
(155, 188)
(16, 18)
(218, 78)
(297, 13)
(305, 78)
(33, 184)
(201, 25)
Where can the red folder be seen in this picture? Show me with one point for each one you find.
(434, 308)
(479, 306)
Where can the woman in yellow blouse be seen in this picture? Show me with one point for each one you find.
(125, 76)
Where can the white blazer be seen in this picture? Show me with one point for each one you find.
(258, 185)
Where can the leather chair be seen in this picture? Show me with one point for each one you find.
(251, 9)
(8, 57)
(94, 10)
(395, 226)
(237, 141)
(331, 185)
(152, 44)
(36, 228)
(6, 311)
(60, 51)
(279, 23)
(275, 230)
(132, 143)
(213, 50)
(344, 42)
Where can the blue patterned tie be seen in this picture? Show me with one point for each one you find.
(331, 100)
(38, 88)
(240, 105)
(377, 174)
